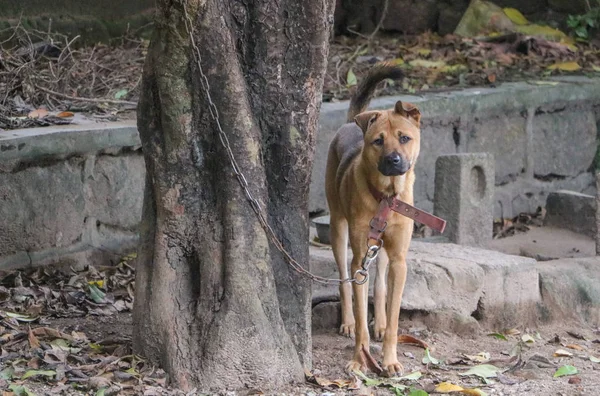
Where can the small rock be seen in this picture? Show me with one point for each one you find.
(409, 355)
(575, 380)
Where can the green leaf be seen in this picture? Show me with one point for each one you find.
(96, 294)
(418, 392)
(7, 373)
(101, 392)
(96, 347)
(427, 359)
(399, 389)
(20, 390)
(594, 359)
(351, 79)
(411, 377)
(366, 380)
(121, 94)
(33, 373)
(582, 32)
(498, 336)
(483, 371)
(566, 370)
(63, 345)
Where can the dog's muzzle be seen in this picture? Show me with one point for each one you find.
(393, 165)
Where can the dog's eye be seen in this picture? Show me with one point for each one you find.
(378, 142)
(404, 139)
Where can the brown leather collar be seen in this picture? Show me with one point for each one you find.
(379, 223)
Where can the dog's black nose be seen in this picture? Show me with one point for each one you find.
(394, 158)
(393, 165)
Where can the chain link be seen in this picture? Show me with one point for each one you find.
(371, 253)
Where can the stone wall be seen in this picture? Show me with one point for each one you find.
(71, 194)
(442, 16)
(74, 194)
(543, 137)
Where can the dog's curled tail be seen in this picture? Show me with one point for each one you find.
(361, 98)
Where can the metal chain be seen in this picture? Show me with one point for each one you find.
(372, 251)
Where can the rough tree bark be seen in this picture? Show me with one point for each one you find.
(216, 305)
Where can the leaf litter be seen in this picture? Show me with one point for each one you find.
(38, 358)
(35, 356)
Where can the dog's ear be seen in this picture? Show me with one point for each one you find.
(409, 111)
(364, 120)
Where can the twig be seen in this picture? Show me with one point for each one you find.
(89, 100)
(380, 23)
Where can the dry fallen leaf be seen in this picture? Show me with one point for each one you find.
(565, 66)
(34, 343)
(38, 113)
(576, 347)
(370, 362)
(65, 114)
(562, 353)
(408, 339)
(448, 387)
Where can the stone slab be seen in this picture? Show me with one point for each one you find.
(64, 141)
(450, 278)
(573, 211)
(545, 243)
(570, 288)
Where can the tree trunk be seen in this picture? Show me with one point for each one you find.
(216, 305)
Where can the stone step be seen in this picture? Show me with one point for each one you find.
(493, 287)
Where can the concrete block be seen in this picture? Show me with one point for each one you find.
(573, 211)
(464, 190)
(552, 155)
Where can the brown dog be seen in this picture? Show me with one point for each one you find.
(377, 153)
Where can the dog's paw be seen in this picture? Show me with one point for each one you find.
(355, 365)
(392, 369)
(378, 332)
(347, 330)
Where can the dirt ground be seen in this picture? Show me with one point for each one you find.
(531, 374)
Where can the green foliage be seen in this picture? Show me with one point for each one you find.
(583, 25)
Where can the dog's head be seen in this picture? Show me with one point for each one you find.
(392, 138)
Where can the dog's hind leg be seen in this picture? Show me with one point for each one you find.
(380, 295)
(339, 244)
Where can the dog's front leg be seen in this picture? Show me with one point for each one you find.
(397, 249)
(360, 304)
(396, 281)
(380, 296)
